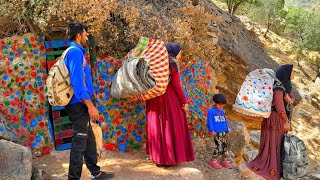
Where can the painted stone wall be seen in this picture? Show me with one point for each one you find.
(23, 106)
(199, 86)
(123, 120)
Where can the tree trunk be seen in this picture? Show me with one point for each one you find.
(30, 26)
(265, 34)
(268, 26)
(229, 8)
(230, 4)
(235, 8)
(318, 67)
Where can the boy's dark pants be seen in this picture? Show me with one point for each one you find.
(83, 142)
(221, 142)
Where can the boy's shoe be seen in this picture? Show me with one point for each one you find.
(214, 163)
(103, 176)
(225, 163)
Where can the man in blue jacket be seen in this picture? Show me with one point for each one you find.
(81, 108)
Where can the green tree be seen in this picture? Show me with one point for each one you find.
(295, 21)
(233, 5)
(311, 33)
(304, 27)
(267, 12)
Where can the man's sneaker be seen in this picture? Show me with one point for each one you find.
(225, 163)
(103, 176)
(214, 163)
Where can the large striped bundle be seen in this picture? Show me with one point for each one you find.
(158, 60)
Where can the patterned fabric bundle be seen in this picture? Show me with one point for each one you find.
(158, 61)
(256, 94)
(133, 78)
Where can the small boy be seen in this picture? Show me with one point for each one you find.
(218, 128)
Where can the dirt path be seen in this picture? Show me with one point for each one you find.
(134, 165)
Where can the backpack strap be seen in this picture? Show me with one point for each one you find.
(279, 86)
(274, 77)
(65, 52)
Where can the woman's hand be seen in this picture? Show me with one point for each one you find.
(288, 99)
(93, 113)
(286, 125)
(185, 107)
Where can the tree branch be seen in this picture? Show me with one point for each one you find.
(30, 26)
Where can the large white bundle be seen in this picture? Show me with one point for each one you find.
(256, 94)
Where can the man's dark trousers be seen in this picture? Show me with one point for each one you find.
(83, 142)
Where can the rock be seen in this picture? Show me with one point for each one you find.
(15, 161)
(36, 173)
(304, 94)
(315, 94)
(305, 114)
(250, 153)
(227, 18)
(314, 176)
(239, 138)
(188, 173)
(255, 138)
(315, 100)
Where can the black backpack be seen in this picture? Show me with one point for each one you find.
(293, 157)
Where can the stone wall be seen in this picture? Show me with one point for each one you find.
(23, 105)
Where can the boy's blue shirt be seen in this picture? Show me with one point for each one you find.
(217, 121)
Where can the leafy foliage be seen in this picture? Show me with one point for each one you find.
(267, 12)
(233, 5)
(117, 25)
(17, 16)
(304, 26)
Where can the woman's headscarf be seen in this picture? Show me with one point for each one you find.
(173, 49)
(284, 74)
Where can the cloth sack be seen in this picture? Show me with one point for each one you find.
(133, 78)
(155, 76)
(97, 131)
(256, 94)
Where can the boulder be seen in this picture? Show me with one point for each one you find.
(239, 138)
(306, 115)
(250, 153)
(255, 138)
(315, 94)
(315, 100)
(15, 161)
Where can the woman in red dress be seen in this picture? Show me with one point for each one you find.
(267, 164)
(168, 137)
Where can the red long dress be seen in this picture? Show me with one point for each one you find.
(168, 137)
(267, 164)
